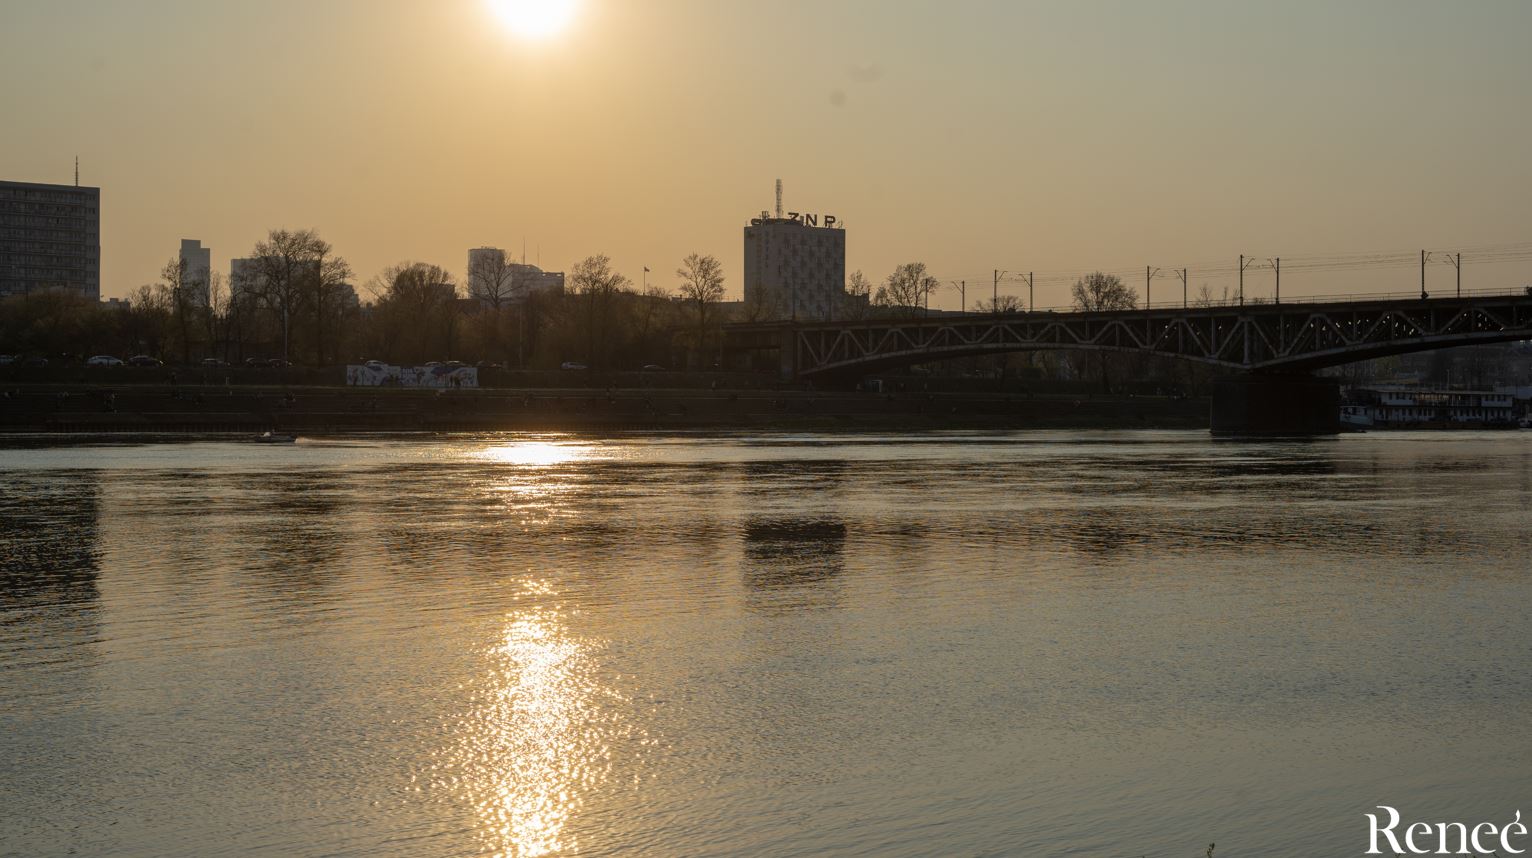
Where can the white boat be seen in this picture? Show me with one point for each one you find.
(275, 438)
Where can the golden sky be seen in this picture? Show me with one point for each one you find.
(1055, 137)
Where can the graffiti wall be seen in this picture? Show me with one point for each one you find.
(443, 377)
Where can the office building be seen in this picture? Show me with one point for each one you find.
(196, 269)
(794, 267)
(50, 238)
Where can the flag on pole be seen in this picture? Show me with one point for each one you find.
(646, 269)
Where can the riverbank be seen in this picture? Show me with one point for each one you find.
(81, 408)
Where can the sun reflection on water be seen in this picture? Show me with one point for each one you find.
(541, 454)
(541, 736)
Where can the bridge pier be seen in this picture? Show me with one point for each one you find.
(787, 356)
(1255, 403)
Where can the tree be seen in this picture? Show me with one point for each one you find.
(180, 286)
(291, 270)
(215, 314)
(908, 289)
(1097, 291)
(858, 296)
(701, 287)
(415, 316)
(593, 279)
(1000, 304)
(491, 279)
(329, 290)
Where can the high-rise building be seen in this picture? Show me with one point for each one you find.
(244, 279)
(50, 238)
(794, 268)
(196, 269)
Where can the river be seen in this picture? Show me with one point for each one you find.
(1035, 644)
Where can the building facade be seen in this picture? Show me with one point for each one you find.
(50, 238)
(794, 268)
(196, 269)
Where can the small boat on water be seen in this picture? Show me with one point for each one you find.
(275, 438)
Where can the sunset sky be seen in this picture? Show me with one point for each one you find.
(1056, 137)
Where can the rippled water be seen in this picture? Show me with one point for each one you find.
(967, 644)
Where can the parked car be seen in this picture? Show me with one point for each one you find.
(653, 367)
(144, 360)
(214, 362)
(103, 360)
(572, 365)
(431, 364)
(254, 363)
(34, 362)
(7, 360)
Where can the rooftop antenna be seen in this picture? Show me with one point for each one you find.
(77, 171)
(523, 250)
(779, 199)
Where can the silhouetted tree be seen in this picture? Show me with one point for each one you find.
(907, 290)
(414, 315)
(593, 279)
(180, 286)
(1100, 292)
(292, 271)
(1000, 304)
(491, 279)
(701, 287)
(858, 296)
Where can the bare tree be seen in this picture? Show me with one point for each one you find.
(1097, 291)
(215, 313)
(594, 280)
(701, 287)
(180, 286)
(332, 281)
(282, 264)
(1207, 298)
(491, 279)
(414, 312)
(293, 271)
(858, 296)
(1000, 304)
(908, 289)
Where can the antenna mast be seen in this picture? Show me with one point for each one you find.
(77, 171)
(779, 199)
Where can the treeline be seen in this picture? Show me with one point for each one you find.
(293, 299)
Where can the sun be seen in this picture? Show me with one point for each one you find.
(535, 19)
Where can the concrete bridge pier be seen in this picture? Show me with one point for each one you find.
(1255, 403)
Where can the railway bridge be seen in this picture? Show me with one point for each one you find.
(1273, 348)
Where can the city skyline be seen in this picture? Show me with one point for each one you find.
(1184, 140)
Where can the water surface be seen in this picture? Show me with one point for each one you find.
(1030, 644)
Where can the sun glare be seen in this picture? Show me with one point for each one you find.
(535, 19)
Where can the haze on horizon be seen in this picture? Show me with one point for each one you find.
(1055, 137)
